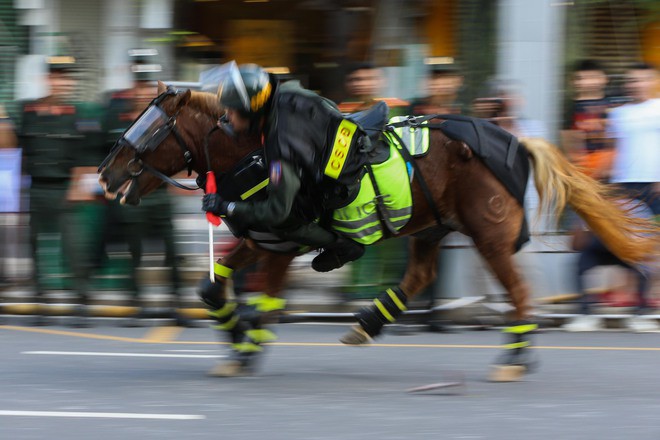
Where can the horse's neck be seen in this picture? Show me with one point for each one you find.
(224, 150)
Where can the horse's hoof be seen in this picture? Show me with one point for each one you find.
(230, 369)
(507, 373)
(356, 336)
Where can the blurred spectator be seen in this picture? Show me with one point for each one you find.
(364, 84)
(7, 131)
(636, 130)
(442, 89)
(7, 140)
(152, 219)
(593, 253)
(501, 105)
(382, 264)
(51, 140)
(586, 142)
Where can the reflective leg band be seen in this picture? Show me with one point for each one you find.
(223, 312)
(246, 347)
(515, 345)
(520, 329)
(265, 303)
(228, 325)
(222, 271)
(260, 336)
(386, 309)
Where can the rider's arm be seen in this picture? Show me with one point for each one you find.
(282, 188)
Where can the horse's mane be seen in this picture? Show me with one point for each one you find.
(206, 103)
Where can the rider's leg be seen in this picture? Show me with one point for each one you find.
(337, 250)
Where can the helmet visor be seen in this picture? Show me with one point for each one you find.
(231, 90)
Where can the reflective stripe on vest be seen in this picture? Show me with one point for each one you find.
(416, 139)
(359, 220)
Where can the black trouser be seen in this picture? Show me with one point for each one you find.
(596, 254)
(47, 218)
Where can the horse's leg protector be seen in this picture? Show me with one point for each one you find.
(384, 310)
(517, 351)
(248, 333)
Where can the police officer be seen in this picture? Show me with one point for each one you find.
(315, 159)
(152, 219)
(51, 142)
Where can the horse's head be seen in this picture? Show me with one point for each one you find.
(153, 144)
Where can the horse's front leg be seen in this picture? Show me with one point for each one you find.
(392, 303)
(244, 324)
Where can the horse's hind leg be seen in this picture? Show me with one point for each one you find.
(517, 358)
(422, 267)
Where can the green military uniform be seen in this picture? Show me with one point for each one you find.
(87, 216)
(51, 142)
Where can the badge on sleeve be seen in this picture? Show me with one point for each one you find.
(275, 172)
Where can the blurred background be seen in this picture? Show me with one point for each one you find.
(439, 55)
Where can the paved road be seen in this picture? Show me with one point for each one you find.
(114, 383)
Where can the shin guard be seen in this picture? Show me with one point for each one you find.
(517, 347)
(385, 310)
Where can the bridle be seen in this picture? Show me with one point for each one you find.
(149, 138)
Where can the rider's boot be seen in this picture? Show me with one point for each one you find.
(343, 250)
(384, 310)
(518, 358)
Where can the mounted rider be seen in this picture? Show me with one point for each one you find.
(315, 156)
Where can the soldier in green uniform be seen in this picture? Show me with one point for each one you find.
(152, 219)
(51, 142)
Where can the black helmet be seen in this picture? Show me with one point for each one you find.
(246, 88)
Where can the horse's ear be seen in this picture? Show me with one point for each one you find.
(161, 87)
(184, 98)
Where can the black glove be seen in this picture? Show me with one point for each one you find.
(201, 181)
(213, 203)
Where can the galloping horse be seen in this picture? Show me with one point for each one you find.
(460, 189)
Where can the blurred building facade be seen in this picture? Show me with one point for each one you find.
(529, 41)
(532, 42)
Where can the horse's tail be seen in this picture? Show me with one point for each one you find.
(559, 183)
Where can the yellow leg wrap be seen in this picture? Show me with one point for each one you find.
(260, 336)
(520, 329)
(515, 345)
(222, 271)
(228, 325)
(264, 303)
(224, 311)
(246, 347)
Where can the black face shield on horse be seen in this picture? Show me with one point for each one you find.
(453, 189)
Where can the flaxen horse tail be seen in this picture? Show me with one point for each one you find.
(559, 183)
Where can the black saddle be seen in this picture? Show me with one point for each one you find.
(371, 120)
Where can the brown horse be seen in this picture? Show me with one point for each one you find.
(467, 195)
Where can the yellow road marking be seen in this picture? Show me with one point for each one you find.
(162, 334)
(316, 344)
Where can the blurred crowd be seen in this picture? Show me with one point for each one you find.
(72, 225)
